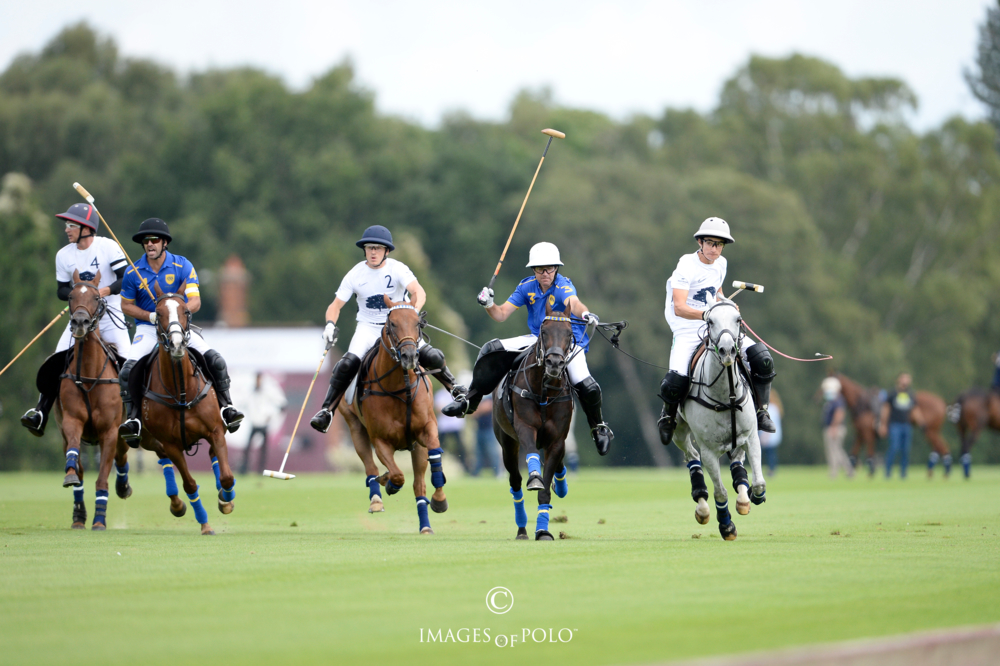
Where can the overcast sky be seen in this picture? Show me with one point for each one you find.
(426, 58)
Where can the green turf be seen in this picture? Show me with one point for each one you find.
(821, 561)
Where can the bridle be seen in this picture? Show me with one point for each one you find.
(163, 334)
(396, 343)
(102, 308)
(737, 335)
(542, 354)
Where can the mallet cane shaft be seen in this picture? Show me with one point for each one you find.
(280, 474)
(51, 323)
(551, 133)
(90, 199)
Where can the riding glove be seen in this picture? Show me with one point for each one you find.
(152, 318)
(591, 318)
(485, 297)
(330, 333)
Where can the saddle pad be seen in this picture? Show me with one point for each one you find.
(366, 364)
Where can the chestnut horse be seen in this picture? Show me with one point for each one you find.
(974, 410)
(393, 410)
(179, 408)
(542, 404)
(89, 407)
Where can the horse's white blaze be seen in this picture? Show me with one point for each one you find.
(176, 337)
(83, 290)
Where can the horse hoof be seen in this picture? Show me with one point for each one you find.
(728, 531)
(226, 507)
(535, 481)
(206, 530)
(79, 526)
(543, 535)
(123, 493)
(178, 512)
(376, 505)
(99, 527)
(702, 512)
(71, 479)
(742, 508)
(522, 534)
(426, 530)
(439, 507)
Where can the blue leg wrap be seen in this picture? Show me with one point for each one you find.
(561, 486)
(542, 522)
(534, 463)
(122, 471)
(101, 507)
(373, 488)
(967, 464)
(520, 515)
(199, 511)
(168, 476)
(437, 474)
(693, 465)
(77, 494)
(933, 459)
(946, 461)
(391, 487)
(422, 512)
(229, 495)
(72, 459)
(215, 470)
(722, 512)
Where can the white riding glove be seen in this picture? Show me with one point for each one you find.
(591, 318)
(485, 297)
(152, 318)
(330, 333)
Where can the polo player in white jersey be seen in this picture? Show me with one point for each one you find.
(694, 287)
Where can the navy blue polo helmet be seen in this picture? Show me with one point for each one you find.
(82, 214)
(376, 234)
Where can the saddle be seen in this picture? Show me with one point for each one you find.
(140, 376)
(741, 366)
(361, 388)
(57, 365)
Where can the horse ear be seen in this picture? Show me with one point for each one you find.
(76, 276)
(97, 279)
(548, 308)
(156, 289)
(181, 288)
(388, 301)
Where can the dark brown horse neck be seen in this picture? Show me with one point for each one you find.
(854, 394)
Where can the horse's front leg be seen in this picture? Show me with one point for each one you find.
(122, 487)
(419, 458)
(435, 458)
(176, 455)
(741, 481)
(393, 479)
(509, 448)
(699, 490)
(553, 463)
(527, 437)
(726, 526)
(107, 447)
(225, 482)
(177, 506)
(753, 453)
(363, 447)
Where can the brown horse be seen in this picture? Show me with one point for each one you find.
(974, 410)
(89, 407)
(393, 410)
(542, 406)
(179, 408)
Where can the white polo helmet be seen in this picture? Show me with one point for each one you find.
(715, 227)
(543, 254)
(830, 387)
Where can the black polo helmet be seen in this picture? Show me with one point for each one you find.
(154, 226)
(82, 214)
(376, 234)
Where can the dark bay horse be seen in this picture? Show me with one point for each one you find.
(179, 408)
(89, 407)
(541, 402)
(393, 410)
(974, 410)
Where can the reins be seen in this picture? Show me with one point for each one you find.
(77, 378)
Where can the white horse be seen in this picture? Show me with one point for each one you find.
(719, 403)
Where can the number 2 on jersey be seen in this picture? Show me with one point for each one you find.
(388, 282)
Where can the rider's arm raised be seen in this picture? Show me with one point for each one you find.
(576, 306)
(682, 309)
(417, 294)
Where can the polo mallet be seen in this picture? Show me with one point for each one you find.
(90, 199)
(759, 288)
(740, 286)
(551, 133)
(280, 474)
(51, 323)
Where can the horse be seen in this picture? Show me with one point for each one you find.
(718, 416)
(540, 410)
(393, 410)
(972, 411)
(179, 409)
(89, 407)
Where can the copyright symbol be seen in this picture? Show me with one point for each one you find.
(499, 600)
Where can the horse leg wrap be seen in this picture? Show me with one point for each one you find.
(199, 511)
(422, 512)
(215, 470)
(561, 486)
(121, 482)
(437, 473)
(72, 459)
(871, 466)
(740, 477)
(391, 487)
(520, 515)
(758, 499)
(78, 494)
(542, 522)
(374, 490)
(698, 488)
(168, 476)
(534, 463)
(101, 507)
(946, 461)
(722, 513)
(933, 459)
(967, 464)
(228, 495)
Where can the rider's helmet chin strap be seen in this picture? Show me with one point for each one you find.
(384, 257)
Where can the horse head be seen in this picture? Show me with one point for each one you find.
(86, 305)
(402, 330)
(724, 330)
(173, 320)
(555, 342)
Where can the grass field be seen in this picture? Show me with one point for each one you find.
(300, 573)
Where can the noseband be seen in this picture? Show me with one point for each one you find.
(541, 354)
(163, 334)
(398, 343)
(102, 307)
(737, 336)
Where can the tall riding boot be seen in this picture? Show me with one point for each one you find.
(589, 394)
(491, 366)
(131, 429)
(343, 373)
(761, 374)
(231, 416)
(673, 389)
(433, 359)
(37, 417)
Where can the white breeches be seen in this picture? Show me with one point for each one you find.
(366, 336)
(577, 368)
(145, 340)
(109, 333)
(684, 344)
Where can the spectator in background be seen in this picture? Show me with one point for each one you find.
(487, 446)
(265, 404)
(769, 441)
(450, 428)
(834, 428)
(897, 410)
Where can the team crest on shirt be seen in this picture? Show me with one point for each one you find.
(170, 278)
(87, 276)
(375, 303)
(702, 296)
(552, 299)
(136, 338)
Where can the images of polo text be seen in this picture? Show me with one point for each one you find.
(486, 635)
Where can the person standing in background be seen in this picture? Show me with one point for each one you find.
(450, 428)
(487, 446)
(897, 410)
(769, 441)
(834, 428)
(265, 404)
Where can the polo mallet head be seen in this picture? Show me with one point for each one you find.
(740, 286)
(284, 476)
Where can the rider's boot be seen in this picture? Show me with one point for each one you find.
(433, 359)
(36, 417)
(589, 393)
(231, 416)
(761, 374)
(343, 373)
(673, 388)
(491, 366)
(131, 429)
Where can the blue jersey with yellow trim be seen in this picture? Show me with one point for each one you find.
(174, 271)
(529, 294)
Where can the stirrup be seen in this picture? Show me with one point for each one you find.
(457, 390)
(764, 422)
(28, 421)
(602, 435)
(233, 421)
(603, 426)
(457, 408)
(322, 420)
(131, 434)
(666, 426)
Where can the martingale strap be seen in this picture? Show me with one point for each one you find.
(79, 380)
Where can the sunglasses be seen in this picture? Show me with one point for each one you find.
(150, 239)
(372, 246)
(544, 270)
(712, 243)
(72, 225)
